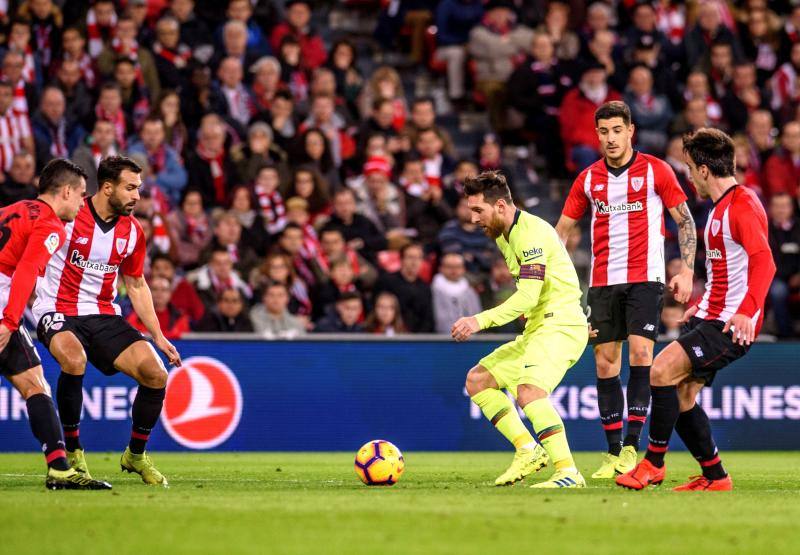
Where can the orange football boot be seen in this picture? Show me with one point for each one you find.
(643, 475)
(701, 483)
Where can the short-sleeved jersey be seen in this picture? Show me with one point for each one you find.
(547, 284)
(30, 232)
(627, 217)
(736, 231)
(81, 278)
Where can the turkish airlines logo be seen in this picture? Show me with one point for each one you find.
(203, 403)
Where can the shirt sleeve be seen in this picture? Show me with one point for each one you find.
(749, 228)
(532, 252)
(43, 242)
(667, 186)
(577, 203)
(133, 265)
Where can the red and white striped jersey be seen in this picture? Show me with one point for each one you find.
(736, 239)
(13, 128)
(627, 217)
(81, 278)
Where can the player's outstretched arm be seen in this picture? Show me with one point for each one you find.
(142, 301)
(564, 227)
(464, 327)
(681, 284)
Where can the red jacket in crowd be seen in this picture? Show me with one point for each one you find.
(312, 49)
(781, 175)
(577, 119)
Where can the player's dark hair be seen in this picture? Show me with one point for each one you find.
(713, 149)
(112, 167)
(613, 109)
(59, 172)
(491, 184)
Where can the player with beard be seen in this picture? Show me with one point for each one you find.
(555, 335)
(78, 319)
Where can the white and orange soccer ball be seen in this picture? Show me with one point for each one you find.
(379, 463)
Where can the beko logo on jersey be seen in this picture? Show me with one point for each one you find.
(79, 261)
(714, 254)
(535, 251)
(603, 208)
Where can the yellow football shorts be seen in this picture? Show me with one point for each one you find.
(540, 357)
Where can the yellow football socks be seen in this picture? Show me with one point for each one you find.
(550, 429)
(497, 407)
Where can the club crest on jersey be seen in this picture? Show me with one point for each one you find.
(121, 244)
(637, 183)
(715, 225)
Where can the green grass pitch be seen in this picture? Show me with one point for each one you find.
(313, 503)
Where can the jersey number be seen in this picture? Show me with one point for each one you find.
(5, 231)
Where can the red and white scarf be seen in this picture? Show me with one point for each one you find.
(20, 102)
(157, 159)
(58, 139)
(215, 164)
(97, 154)
(42, 33)
(116, 45)
(29, 65)
(160, 236)
(272, 209)
(95, 32)
(86, 64)
(179, 58)
(118, 119)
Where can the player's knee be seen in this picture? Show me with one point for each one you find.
(641, 356)
(686, 399)
(659, 373)
(606, 368)
(476, 381)
(528, 393)
(154, 377)
(73, 361)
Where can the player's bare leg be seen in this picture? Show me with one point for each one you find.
(638, 398)
(140, 362)
(694, 429)
(46, 428)
(610, 401)
(485, 392)
(549, 428)
(70, 355)
(670, 368)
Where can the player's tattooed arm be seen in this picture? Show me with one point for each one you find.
(687, 234)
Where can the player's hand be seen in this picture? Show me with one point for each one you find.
(744, 331)
(592, 332)
(5, 336)
(681, 285)
(687, 314)
(464, 327)
(169, 350)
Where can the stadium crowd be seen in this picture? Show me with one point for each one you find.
(303, 161)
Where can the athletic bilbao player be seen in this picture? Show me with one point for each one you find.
(30, 232)
(627, 192)
(720, 327)
(78, 318)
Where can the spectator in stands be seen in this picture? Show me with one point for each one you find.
(466, 238)
(254, 230)
(496, 45)
(184, 297)
(601, 51)
(708, 29)
(297, 213)
(173, 322)
(210, 168)
(648, 52)
(73, 49)
(109, 108)
(193, 31)
(490, 158)
(325, 118)
(333, 247)
(18, 40)
(425, 207)
(380, 122)
(453, 184)
(784, 239)
(342, 278)
(125, 46)
(168, 109)
(298, 25)
(313, 149)
(784, 86)
(429, 145)
(790, 34)
(782, 169)
(349, 79)
(581, 258)
(697, 87)
(267, 81)
(101, 21)
(15, 135)
(309, 185)
(229, 315)
(743, 97)
(385, 83)
(377, 197)
(719, 67)
(454, 20)
(99, 144)
(671, 315)
(760, 43)
(270, 200)
(693, 117)
(498, 287)
(423, 117)
(78, 99)
(271, 317)
(216, 276)
(535, 91)
(291, 242)
(413, 293)
(242, 11)
(234, 45)
(19, 182)
(26, 94)
(171, 56)
(556, 26)
(361, 234)
(578, 133)
(385, 318)
(46, 21)
(345, 318)
(232, 99)
(277, 268)
(164, 162)
(227, 234)
(453, 296)
(651, 112)
(135, 97)
(190, 229)
(55, 135)
(762, 140)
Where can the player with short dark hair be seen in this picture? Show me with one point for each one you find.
(531, 366)
(78, 319)
(30, 232)
(720, 327)
(627, 192)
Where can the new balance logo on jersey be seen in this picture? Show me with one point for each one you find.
(698, 352)
(605, 209)
(649, 327)
(713, 254)
(599, 187)
(79, 261)
(82, 241)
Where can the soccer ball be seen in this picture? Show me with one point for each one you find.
(379, 463)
